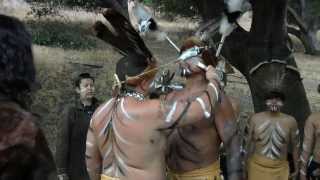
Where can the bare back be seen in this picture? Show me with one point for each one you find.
(131, 147)
(196, 145)
(127, 138)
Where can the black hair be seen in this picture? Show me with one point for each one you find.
(275, 94)
(17, 71)
(82, 76)
(131, 65)
(319, 88)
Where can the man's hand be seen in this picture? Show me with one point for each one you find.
(294, 175)
(211, 74)
(63, 177)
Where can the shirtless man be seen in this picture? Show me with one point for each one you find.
(193, 152)
(271, 134)
(127, 136)
(310, 167)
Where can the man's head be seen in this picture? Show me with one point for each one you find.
(135, 70)
(85, 86)
(274, 101)
(17, 71)
(188, 66)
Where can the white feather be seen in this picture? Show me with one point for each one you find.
(234, 5)
(161, 36)
(225, 27)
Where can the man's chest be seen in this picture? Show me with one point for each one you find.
(272, 131)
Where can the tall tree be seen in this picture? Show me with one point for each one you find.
(262, 55)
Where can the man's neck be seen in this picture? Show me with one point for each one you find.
(275, 113)
(197, 80)
(86, 102)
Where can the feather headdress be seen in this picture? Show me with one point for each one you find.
(121, 35)
(145, 22)
(138, 61)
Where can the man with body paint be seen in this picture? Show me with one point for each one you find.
(271, 135)
(193, 152)
(128, 134)
(70, 156)
(310, 167)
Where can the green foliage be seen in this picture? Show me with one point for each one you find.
(70, 3)
(315, 4)
(148, 2)
(61, 34)
(173, 7)
(81, 3)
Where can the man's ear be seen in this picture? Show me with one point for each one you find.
(145, 83)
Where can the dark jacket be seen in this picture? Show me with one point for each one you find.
(24, 152)
(71, 142)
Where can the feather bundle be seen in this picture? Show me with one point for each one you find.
(121, 35)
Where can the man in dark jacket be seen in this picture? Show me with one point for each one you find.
(73, 128)
(24, 152)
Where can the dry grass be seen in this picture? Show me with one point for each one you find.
(57, 67)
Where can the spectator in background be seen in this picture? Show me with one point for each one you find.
(71, 143)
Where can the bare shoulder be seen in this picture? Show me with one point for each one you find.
(287, 116)
(258, 115)
(101, 112)
(290, 119)
(146, 107)
(314, 117)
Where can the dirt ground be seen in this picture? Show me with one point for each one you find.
(57, 67)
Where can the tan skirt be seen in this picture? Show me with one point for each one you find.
(211, 172)
(262, 168)
(104, 177)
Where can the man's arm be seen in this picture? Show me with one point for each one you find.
(62, 146)
(226, 124)
(93, 155)
(295, 144)
(307, 146)
(249, 144)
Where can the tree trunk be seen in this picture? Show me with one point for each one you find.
(263, 57)
(209, 8)
(307, 25)
(119, 5)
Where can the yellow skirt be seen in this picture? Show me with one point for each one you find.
(262, 168)
(211, 172)
(104, 177)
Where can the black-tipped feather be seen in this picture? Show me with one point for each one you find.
(125, 39)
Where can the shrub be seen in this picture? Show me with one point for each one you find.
(55, 33)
